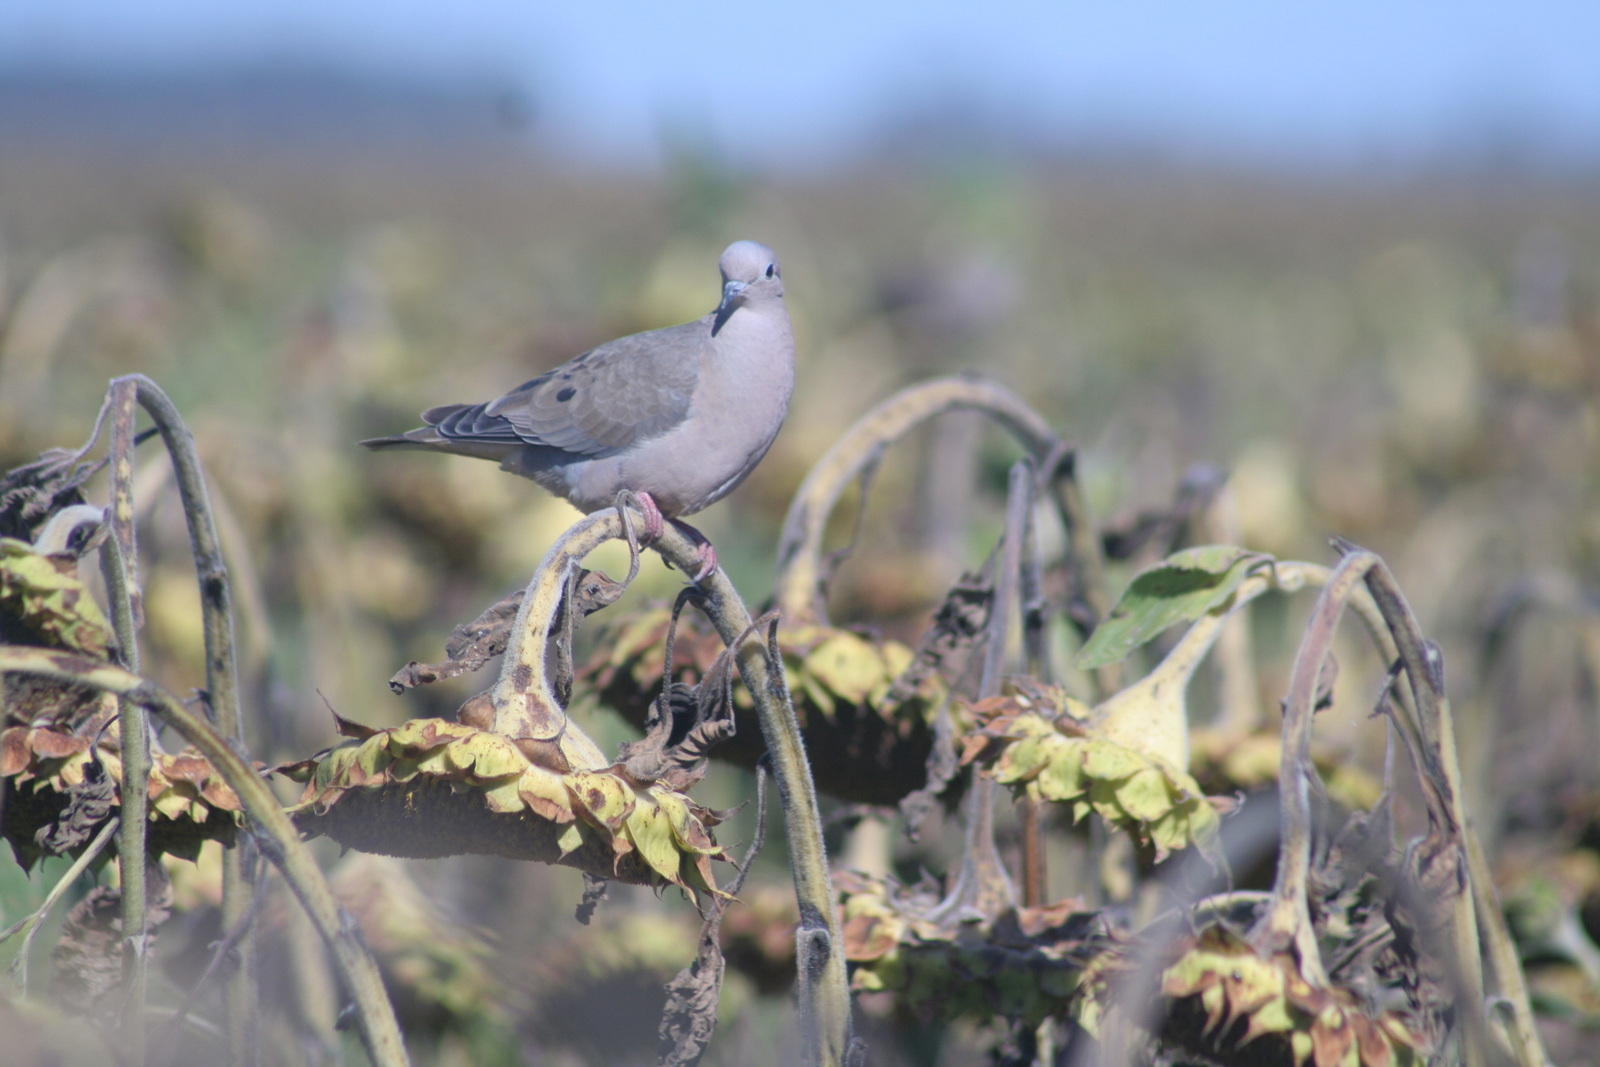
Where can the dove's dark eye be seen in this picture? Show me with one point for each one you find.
(772, 268)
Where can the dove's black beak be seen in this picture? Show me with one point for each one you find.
(732, 299)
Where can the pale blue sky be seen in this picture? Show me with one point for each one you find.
(811, 81)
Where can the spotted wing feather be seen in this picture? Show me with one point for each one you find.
(602, 403)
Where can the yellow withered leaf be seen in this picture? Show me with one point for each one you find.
(504, 797)
(849, 665)
(813, 688)
(1022, 760)
(650, 830)
(571, 839)
(44, 594)
(1108, 761)
(606, 798)
(1146, 795)
(487, 756)
(1062, 778)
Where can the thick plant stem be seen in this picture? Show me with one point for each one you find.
(823, 987)
(222, 682)
(1287, 922)
(276, 835)
(135, 803)
(524, 698)
(216, 605)
(1036, 663)
(982, 888)
(802, 575)
(1424, 668)
(118, 562)
(526, 705)
(1527, 1044)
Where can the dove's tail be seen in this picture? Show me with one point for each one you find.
(427, 439)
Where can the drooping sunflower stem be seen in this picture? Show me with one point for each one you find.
(222, 671)
(983, 888)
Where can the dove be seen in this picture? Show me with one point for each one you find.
(678, 416)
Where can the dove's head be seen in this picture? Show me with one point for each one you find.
(750, 272)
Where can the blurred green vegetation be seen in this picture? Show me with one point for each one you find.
(1414, 365)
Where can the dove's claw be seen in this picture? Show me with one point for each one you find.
(705, 555)
(708, 562)
(654, 524)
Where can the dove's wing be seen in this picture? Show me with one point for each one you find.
(602, 403)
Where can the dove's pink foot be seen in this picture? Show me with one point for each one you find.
(654, 524)
(705, 555)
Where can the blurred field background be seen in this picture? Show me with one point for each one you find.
(1406, 356)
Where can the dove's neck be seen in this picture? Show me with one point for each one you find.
(751, 371)
(757, 343)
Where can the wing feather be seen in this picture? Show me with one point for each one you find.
(609, 398)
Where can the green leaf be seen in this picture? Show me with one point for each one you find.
(650, 829)
(1022, 760)
(1062, 777)
(1145, 795)
(1181, 588)
(848, 665)
(1109, 761)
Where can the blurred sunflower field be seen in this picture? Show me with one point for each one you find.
(1254, 359)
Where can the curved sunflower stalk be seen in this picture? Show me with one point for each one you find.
(515, 776)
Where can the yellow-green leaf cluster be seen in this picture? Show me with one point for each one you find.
(181, 786)
(1246, 997)
(1249, 761)
(1021, 966)
(590, 809)
(1156, 803)
(828, 668)
(45, 604)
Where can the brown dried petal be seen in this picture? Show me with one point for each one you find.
(52, 745)
(1331, 1037)
(544, 753)
(219, 794)
(867, 937)
(15, 752)
(188, 766)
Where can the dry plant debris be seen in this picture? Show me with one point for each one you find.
(1023, 965)
(1245, 997)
